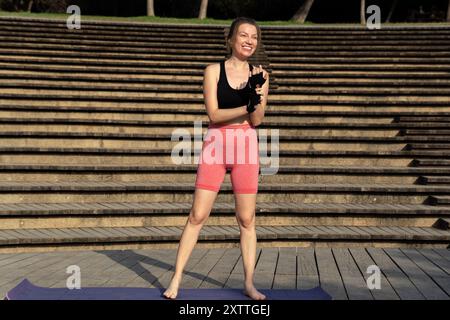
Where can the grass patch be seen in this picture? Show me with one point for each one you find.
(194, 20)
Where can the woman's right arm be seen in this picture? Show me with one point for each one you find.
(215, 114)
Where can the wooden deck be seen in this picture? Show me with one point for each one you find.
(405, 273)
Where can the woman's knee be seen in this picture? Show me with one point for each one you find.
(246, 221)
(197, 217)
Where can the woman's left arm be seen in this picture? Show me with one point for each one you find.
(257, 116)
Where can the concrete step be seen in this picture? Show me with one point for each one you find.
(186, 173)
(372, 60)
(422, 119)
(147, 157)
(223, 234)
(440, 200)
(355, 47)
(31, 215)
(366, 74)
(357, 41)
(182, 66)
(198, 136)
(123, 110)
(291, 100)
(279, 68)
(23, 192)
(358, 90)
(361, 82)
(438, 180)
(426, 132)
(155, 128)
(431, 163)
(188, 119)
(140, 52)
(428, 146)
(174, 106)
(111, 25)
(183, 88)
(10, 34)
(282, 67)
(156, 68)
(163, 81)
(121, 53)
(442, 224)
(149, 214)
(72, 68)
(175, 121)
(158, 42)
(269, 37)
(281, 55)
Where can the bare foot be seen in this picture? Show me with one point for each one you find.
(172, 291)
(253, 293)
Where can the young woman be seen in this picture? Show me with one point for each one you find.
(235, 96)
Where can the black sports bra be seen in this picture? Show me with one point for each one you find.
(228, 97)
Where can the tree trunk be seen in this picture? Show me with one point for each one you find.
(448, 11)
(150, 8)
(30, 5)
(303, 11)
(391, 12)
(363, 11)
(203, 9)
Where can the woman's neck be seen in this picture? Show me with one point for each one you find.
(237, 63)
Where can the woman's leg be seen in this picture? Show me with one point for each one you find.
(201, 208)
(245, 215)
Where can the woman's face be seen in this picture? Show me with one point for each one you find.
(245, 41)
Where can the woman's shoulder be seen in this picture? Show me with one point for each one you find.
(213, 67)
(212, 71)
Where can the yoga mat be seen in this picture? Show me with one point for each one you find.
(25, 290)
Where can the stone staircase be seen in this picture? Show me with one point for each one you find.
(87, 118)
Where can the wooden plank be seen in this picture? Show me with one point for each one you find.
(285, 275)
(437, 259)
(307, 273)
(441, 278)
(398, 280)
(330, 279)
(343, 230)
(236, 277)
(355, 285)
(419, 278)
(41, 234)
(220, 273)
(21, 233)
(201, 270)
(362, 231)
(443, 252)
(265, 268)
(374, 232)
(364, 261)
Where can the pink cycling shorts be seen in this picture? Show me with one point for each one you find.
(231, 147)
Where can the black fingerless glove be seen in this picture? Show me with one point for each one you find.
(254, 98)
(256, 79)
(253, 101)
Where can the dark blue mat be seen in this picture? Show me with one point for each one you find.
(25, 290)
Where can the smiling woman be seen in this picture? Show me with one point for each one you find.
(235, 95)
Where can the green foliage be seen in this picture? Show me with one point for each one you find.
(38, 5)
